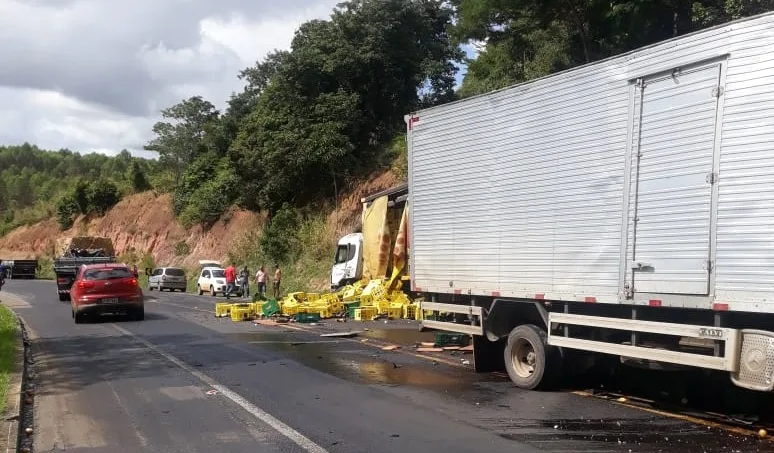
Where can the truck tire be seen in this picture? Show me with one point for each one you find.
(64, 298)
(530, 362)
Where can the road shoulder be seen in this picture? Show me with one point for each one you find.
(11, 374)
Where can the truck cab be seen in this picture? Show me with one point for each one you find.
(348, 262)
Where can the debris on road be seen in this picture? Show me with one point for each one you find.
(351, 334)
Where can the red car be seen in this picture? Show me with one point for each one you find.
(106, 288)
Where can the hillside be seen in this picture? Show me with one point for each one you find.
(144, 224)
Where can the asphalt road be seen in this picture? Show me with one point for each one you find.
(185, 381)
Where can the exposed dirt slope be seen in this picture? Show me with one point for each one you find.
(141, 224)
(144, 223)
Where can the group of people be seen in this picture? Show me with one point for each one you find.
(244, 278)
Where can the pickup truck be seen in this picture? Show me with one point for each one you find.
(78, 252)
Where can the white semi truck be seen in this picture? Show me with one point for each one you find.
(625, 207)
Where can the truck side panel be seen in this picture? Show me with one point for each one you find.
(532, 192)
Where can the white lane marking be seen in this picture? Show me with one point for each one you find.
(297, 438)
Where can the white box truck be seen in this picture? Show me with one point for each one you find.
(624, 207)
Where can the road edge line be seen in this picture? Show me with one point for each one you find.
(282, 428)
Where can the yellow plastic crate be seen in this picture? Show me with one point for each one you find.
(311, 297)
(365, 313)
(410, 311)
(289, 309)
(222, 310)
(241, 314)
(257, 308)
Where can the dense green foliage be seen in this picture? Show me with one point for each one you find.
(97, 196)
(36, 184)
(311, 118)
(526, 39)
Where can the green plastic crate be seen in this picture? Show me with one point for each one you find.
(271, 307)
(451, 339)
(351, 306)
(307, 317)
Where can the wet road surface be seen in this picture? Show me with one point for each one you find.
(185, 381)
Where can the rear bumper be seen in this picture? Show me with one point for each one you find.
(173, 285)
(98, 308)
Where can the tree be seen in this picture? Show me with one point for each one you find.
(281, 234)
(526, 39)
(102, 195)
(137, 178)
(327, 107)
(66, 210)
(80, 196)
(182, 138)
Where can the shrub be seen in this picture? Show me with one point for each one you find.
(182, 249)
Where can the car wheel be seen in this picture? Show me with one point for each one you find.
(150, 286)
(212, 291)
(138, 314)
(199, 289)
(78, 317)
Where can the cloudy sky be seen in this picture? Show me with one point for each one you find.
(92, 75)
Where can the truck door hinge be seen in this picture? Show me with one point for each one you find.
(712, 178)
(717, 92)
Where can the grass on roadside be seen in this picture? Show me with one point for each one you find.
(8, 329)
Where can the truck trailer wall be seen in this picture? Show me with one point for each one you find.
(645, 178)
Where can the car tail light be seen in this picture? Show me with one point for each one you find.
(84, 284)
(133, 281)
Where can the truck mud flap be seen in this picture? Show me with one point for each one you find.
(471, 311)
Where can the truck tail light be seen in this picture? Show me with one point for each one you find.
(62, 281)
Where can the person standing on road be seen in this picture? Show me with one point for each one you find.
(277, 279)
(2, 274)
(230, 279)
(260, 280)
(245, 278)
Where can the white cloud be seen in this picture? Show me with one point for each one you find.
(92, 75)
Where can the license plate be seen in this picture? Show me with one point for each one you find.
(111, 300)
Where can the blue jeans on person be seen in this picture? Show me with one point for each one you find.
(229, 289)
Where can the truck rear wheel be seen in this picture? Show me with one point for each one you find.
(64, 298)
(530, 362)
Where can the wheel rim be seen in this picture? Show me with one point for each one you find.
(523, 358)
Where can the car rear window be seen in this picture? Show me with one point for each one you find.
(175, 272)
(107, 274)
(218, 273)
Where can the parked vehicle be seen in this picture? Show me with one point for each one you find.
(75, 253)
(169, 278)
(622, 207)
(106, 288)
(20, 268)
(213, 280)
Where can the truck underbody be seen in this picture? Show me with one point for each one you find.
(533, 340)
